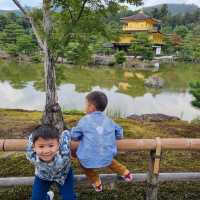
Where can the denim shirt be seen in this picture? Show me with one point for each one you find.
(58, 168)
(97, 134)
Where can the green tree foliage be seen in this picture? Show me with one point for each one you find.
(3, 22)
(168, 48)
(181, 30)
(75, 25)
(10, 35)
(15, 35)
(190, 48)
(25, 44)
(11, 49)
(195, 91)
(155, 13)
(120, 57)
(142, 46)
(189, 19)
(161, 13)
(77, 53)
(68, 27)
(164, 11)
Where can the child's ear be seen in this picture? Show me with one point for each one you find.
(93, 107)
(33, 146)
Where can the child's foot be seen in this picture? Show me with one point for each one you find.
(128, 177)
(98, 188)
(50, 194)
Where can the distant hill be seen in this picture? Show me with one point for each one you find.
(17, 12)
(175, 8)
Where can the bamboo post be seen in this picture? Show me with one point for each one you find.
(152, 179)
(153, 171)
(157, 156)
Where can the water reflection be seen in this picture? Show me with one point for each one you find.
(176, 104)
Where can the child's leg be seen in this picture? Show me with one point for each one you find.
(67, 190)
(92, 175)
(94, 178)
(118, 168)
(40, 189)
(122, 170)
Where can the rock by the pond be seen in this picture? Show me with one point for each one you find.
(103, 60)
(157, 117)
(4, 55)
(154, 81)
(124, 86)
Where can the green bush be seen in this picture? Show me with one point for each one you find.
(120, 57)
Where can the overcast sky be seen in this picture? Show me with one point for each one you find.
(9, 5)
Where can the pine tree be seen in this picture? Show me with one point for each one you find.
(195, 91)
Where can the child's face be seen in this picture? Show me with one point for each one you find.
(46, 149)
(89, 107)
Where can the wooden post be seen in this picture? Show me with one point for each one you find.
(156, 167)
(152, 179)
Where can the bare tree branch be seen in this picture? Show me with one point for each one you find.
(20, 7)
(81, 11)
(70, 13)
(39, 40)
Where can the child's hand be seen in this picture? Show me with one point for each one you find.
(73, 158)
(73, 155)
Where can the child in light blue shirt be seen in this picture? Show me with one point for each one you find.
(97, 134)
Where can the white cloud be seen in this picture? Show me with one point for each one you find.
(154, 2)
(148, 3)
(9, 5)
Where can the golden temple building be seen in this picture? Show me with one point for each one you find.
(140, 23)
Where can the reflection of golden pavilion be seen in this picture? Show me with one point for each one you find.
(140, 23)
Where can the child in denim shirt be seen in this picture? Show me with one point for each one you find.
(50, 153)
(98, 134)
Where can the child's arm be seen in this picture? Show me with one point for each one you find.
(30, 153)
(76, 132)
(65, 145)
(118, 131)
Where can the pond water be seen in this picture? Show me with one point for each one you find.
(170, 103)
(26, 92)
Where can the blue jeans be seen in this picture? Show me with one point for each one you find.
(41, 187)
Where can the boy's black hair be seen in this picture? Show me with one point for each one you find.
(98, 99)
(45, 132)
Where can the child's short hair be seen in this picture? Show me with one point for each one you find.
(45, 132)
(98, 99)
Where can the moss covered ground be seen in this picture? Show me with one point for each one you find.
(18, 123)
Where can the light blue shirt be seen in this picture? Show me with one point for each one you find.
(56, 170)
(97, 134)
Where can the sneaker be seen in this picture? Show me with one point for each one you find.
(98, 188)
(128, 177)
(50, 194)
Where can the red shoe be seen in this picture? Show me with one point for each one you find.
(128, 177)
(98, 188)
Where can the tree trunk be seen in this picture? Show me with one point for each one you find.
(52, 113)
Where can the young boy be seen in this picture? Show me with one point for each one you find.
(50, 153)
(98, 134)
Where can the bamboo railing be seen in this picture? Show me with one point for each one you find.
(152, 177)
(123, 145)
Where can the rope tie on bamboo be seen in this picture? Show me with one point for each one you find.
(157, 156)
